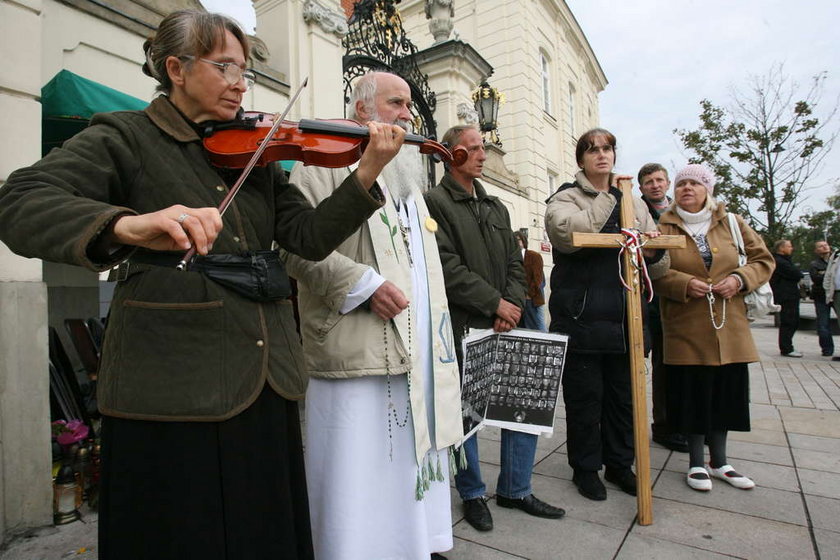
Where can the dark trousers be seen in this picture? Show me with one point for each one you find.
(823, 311)
(599, 411)
(659, 382)
(788, 323)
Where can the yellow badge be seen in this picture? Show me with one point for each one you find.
(431, 224)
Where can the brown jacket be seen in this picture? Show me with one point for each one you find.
(690, 338)
(534, 277)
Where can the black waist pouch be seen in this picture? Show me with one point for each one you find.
(258, 275)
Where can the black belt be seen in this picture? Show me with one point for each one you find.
(257, 275)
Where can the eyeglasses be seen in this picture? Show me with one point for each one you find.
(232, 72)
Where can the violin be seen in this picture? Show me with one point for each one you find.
(242, 144)
(321, 142)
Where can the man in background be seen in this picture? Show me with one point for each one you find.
(822, 252)
(654, 184)
(831, 285)
(785, 285)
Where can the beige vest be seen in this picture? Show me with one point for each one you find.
(346, 346)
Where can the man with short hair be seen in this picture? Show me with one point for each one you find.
(485, 284)
(831, 285)
(383, 405)
(785, 285)
(654, 184)
(822, 251)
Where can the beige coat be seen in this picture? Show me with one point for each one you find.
(690, 338)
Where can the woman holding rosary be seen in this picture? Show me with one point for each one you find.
(706, 332)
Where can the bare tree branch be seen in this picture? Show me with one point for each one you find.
(766, 148)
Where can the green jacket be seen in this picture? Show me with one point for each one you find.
(178, 346)
(481, 260)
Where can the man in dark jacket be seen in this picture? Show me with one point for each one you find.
(822, 251)
(485, 285)
(785, 285)
(654, 184)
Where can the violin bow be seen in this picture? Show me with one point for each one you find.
(223, 206)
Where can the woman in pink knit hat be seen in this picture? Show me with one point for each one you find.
(706, 331)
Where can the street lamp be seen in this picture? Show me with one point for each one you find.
(487, 100)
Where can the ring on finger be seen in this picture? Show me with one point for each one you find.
(180, 219)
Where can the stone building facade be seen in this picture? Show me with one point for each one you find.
(550, 77)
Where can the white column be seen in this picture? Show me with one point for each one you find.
(304, 40)
(25, 461)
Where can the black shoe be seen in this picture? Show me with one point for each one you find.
(532, 505)
(589, 485)
(674, 442)
(623, 478)
(477, 514)
(438, 556)
(835, 359)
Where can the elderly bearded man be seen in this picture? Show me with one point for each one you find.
(383, 403)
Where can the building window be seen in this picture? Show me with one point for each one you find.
(546, 83)
(571, 110)
(552, 183)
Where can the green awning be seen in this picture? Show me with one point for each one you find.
(68, 95)
(68, 101)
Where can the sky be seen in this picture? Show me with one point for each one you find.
(662, 57)
(241, 10)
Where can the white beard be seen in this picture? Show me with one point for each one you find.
(405, 174)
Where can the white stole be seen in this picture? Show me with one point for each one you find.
(393, 262)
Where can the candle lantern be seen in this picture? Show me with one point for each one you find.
(67, 491)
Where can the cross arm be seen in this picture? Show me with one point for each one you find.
(613, 240)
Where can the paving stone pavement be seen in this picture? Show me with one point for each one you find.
(792, 452)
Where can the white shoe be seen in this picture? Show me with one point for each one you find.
(698, 479)
(727, 473)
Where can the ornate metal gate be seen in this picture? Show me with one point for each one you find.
(376, 40)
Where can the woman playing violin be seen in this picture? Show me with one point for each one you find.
(200, 432)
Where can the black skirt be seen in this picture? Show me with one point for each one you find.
(211, 490)
(706, 398)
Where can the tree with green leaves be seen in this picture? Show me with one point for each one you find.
(816, 226)
(766, 149)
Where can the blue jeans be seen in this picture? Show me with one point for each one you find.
(517, 458)
(823, 310)
(532, 317)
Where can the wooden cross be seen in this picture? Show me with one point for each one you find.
(636, 337)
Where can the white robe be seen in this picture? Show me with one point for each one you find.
(348, 453)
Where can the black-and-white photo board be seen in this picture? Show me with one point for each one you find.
(512, 380)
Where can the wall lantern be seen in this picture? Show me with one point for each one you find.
(487, 100)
